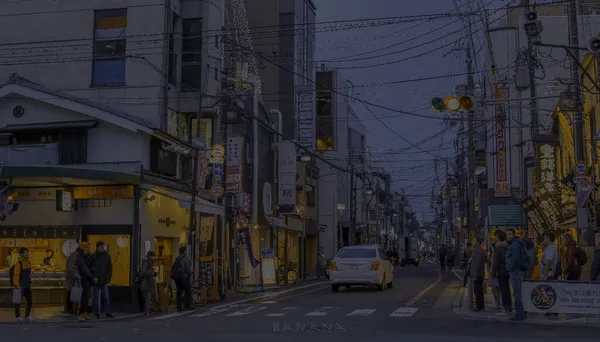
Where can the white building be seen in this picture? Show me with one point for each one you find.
(100, 99)
(341, 140)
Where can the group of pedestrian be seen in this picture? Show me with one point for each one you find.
(181, 273)
(90, 274)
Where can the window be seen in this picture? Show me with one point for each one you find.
(191, 59)
(173, 56)
(110, 41)
(162, 162)
(357, 253)
(72, 147)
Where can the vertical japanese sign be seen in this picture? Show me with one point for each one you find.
(502, 176)
(548, 206)
(305, 114)
(535, 216)
(546, 163)
(234, 155)
(286, 177)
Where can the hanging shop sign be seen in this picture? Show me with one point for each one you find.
(286, 177)
(584, 190)
(548, 206)
(306, 109)
(546, 164)
(561, 297)
(569, 180)
(233, 168)
(535, 216)
(245, 241)
(502, 174)
(267, 267)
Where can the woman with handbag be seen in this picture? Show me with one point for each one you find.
(20, 278)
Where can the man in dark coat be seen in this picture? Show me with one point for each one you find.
(84, 266)
(102, 265)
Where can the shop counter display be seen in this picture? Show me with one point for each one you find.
(48, 287)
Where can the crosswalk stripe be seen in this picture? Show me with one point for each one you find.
(247, 311)
(283, 311)
(322, 311)
(361, 312)
(404, 312)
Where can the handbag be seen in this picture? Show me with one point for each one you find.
(17, 296)
(76, 292)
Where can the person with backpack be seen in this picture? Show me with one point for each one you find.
(516, 264)
(576, 259)
(20, 279)
(181, 273)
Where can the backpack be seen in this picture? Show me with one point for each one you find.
(524, 259)
(530, 259)
(11, 272)
(177, 270)
(581, 256)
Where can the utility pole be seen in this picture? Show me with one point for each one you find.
(582, 218)
(471, 148)
(531, 67)
(353, 189)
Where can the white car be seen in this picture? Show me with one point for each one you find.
(364, 265)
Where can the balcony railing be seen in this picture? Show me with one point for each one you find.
(37, 154)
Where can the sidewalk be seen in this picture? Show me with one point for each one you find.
(461, 308)
(55, 314)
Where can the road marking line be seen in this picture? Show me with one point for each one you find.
(361, 312)
(425, 290)
(211, 312)
(323, 311)
(456, 274)
(247, 311)
(266, 296)
(283, 312)
(404, 312)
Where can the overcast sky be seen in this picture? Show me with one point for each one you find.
(412, 169)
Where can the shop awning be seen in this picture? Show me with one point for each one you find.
(506, 215)
(66, 174)
(202, 205)
(276, 222)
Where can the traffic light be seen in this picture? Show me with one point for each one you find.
(466, 103)
(438, 104)
(452, 103)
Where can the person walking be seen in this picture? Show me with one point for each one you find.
(477, 273)
(499, 271)
(147, 283)
(516, 259)
(181, 273)
(84, 267)
(20, 279)
(442, 255)
(102, 266)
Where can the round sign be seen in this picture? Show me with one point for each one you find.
(122, 242)
(580, 168)
(69, 246)
(217, 191)
(543, 297)
(218, 151)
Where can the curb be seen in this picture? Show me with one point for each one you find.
(57, 321)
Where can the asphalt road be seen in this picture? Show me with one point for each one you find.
(416, 308)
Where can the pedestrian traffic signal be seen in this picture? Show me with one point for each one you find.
(438, 104)
(466, 103)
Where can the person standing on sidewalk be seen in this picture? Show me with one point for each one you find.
(499, 271)
(442, 255)
(147, 283)
(72, 278)
(576, 259)
(20, 274)
(516, 259)
(477, 273)
(102, 265)
(181, 273)
(84, 266)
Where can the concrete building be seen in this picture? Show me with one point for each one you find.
(99, 145)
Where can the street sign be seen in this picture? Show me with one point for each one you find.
(218, 151)
(580, 168)
(217, 191)
(216, 160)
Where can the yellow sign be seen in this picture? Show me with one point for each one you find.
(218, 151)
(97, 192)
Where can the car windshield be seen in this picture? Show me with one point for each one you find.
(356, 253)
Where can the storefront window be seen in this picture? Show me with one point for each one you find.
(119, 248)
(45, 254)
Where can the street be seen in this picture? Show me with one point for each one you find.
(417, 307)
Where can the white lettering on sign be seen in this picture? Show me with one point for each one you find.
(548, 166)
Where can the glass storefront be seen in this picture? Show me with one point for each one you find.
(119, 248)
(289, 253)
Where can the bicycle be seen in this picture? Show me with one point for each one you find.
(292, 274)
(199, 297)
